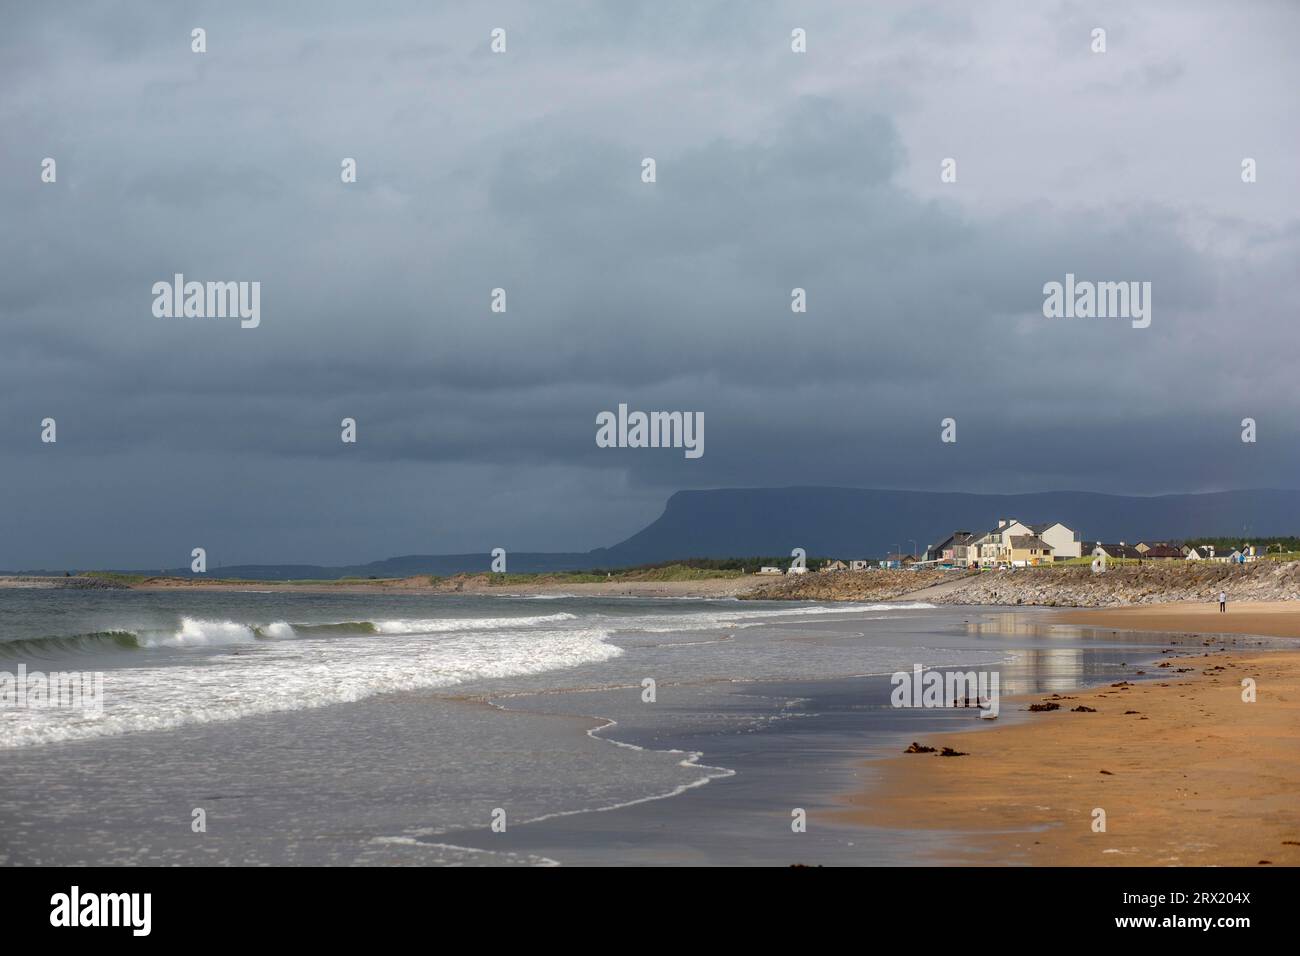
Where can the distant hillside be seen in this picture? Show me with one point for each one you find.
(400, 567)
(852, 522)
(848, 523)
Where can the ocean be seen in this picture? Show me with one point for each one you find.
(357, 728)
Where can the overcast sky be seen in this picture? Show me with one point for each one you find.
(522, 170)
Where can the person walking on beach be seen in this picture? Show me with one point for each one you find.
(1223, 602)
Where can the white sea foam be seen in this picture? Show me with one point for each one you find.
(195, 632)
(300, 674)
(742, 617)
(444, 624)
(242, 670)
(201, 633)
(851, 608)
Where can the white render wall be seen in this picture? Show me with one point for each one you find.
(1063, 542)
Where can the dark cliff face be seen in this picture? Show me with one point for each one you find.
(853, 523)
(860, 523)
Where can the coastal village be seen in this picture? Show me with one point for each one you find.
(1014, 544)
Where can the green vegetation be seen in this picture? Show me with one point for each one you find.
(1086, 561)
(204, 579)
(738, 565)
(1287, 544)
(303, 582)
(114, 576)
(496, 579)
(671, 571)
(667, 571)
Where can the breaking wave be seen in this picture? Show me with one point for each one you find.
(300, 676)
(197, 633)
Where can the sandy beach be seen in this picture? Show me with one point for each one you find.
(1186, 772)
(1276, 618)
(759, 709)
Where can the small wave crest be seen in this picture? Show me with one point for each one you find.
(282, 630)
(61, 645)
(742, 617)
(311, 674)
(192, 632)
(196, 632)
(441, 625)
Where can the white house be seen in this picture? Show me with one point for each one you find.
(1064, 542)
(994, 547)
(1115, 552)
(1207, 552)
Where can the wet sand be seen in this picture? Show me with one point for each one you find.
(1277, 618)
(1185, 770)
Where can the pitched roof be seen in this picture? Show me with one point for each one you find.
(1218, 552)
(957, 537)
(1117, 550)
(1011, 522)
(1029, 541)
(1163, 551)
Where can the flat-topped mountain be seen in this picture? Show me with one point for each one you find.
(847, 523)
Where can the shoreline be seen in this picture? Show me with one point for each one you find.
(478, 584)
(409, 802)
(813, 773)
(817, 730)
(707, 588)
(1146, 586)
(1263, 618)
(1186, 772)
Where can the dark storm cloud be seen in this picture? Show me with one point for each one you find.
(523, 171)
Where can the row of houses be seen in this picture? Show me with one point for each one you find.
(1173, 551)
(828, 566)
(1012, 544)
(1246, 554)
(1016, 544)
